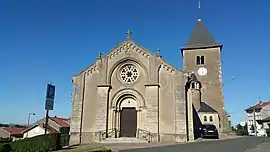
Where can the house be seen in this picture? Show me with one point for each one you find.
(258, 118)
(11, 132)
(38, 129)
(55, 125)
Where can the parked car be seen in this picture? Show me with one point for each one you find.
(209, 130)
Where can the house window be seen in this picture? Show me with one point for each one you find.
(211, 119)
(200, 60)
(204, 118)
(64, 130)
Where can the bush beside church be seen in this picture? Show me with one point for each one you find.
(48, 142)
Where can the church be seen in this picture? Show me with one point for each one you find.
(133, 93)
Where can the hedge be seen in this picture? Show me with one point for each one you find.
(5, 140)
(41, 143)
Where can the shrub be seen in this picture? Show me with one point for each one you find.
(5, 140)
(42, 143)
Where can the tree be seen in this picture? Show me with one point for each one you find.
(241, 131)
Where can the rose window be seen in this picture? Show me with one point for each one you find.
(129, 74)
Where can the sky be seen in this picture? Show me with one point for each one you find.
(49, 41)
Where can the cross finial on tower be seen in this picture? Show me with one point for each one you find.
(158, 52)
(199, 8)
(129, 32)
(99, 55)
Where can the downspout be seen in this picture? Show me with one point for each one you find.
(158, 129)
(107, 115)
(82, 108)
(187, 129)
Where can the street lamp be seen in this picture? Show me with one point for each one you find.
(28, 121)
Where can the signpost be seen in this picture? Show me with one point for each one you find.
(50, 93)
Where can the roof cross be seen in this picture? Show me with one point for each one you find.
(129, 32)
(199, 12)
(158, 52)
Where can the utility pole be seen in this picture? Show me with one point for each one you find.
(254, 120)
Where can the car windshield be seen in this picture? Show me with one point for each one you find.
(209, 127)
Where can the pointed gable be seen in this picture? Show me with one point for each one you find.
(200, 37)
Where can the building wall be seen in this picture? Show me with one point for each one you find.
(208, 115)
(212, 90)
(98, 96)
(3, 133)
(260, 114)
(172, 105)
(34, 132)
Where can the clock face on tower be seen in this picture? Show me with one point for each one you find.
(202, 71)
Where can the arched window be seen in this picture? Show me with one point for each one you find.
(211, 119)
(204, 118)
(193, 85)
(198, 60)
(202, 59)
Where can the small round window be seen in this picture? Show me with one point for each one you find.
(129, 73)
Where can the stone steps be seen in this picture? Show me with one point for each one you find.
(123, 140)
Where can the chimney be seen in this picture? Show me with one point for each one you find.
(260, 102)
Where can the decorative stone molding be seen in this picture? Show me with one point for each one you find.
(128, 46)
(129, 92)
(124, 61)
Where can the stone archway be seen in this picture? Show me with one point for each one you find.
(130, 103)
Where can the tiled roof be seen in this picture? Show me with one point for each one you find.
(206, 108)
(259, 105)
(13, 130)
(63, 122)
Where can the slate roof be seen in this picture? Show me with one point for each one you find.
(258, 106)
(200, 37)
(206, 108)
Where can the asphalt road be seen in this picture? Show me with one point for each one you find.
(243, 144)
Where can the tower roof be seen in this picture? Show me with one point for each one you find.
(200, 37)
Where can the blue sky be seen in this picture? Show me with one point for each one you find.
(43, 41)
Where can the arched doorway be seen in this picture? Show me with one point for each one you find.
(128, 118)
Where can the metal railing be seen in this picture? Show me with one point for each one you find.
(144, 135)
(111, 133)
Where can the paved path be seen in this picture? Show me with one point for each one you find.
(243, 144)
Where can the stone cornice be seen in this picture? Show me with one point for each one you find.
(104, 85)
(152, 84)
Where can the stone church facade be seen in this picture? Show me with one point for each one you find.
(132, 92)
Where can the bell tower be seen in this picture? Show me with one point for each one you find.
(202, 55)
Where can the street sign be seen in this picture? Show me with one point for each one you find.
(50, 92)
(49, 104)
(50, 97)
